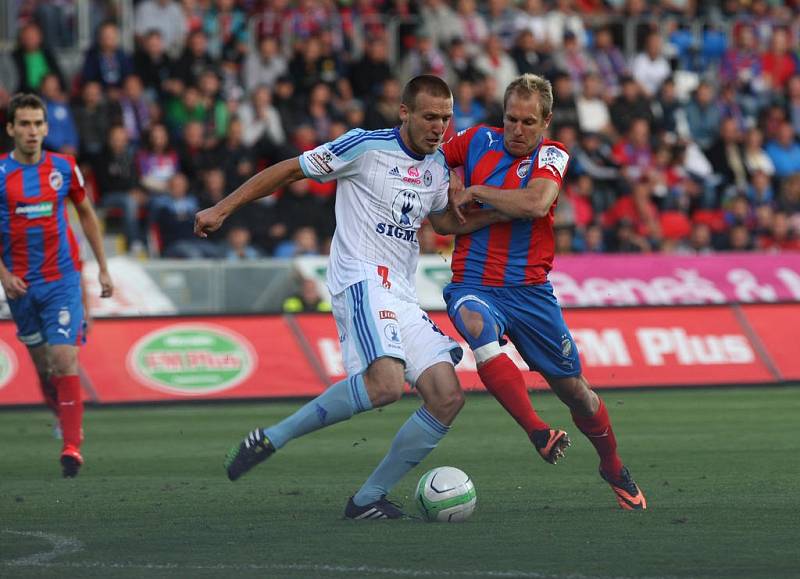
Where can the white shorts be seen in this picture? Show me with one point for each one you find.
(373, 323)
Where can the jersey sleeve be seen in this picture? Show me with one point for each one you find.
(441, 198)
(333, 160)
(77, 186)
(551, 163)
(455, 150)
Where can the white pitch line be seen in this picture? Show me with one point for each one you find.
(349, 570)
(60, 546)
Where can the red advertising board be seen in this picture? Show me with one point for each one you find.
(156, 359)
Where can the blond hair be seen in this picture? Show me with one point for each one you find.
(530, 84)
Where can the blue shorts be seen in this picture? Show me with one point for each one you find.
(531, 317)
(50, 313)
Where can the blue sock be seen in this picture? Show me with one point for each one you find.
(339, 402)
(412, 443)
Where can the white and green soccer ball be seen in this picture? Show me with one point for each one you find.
(445, 494)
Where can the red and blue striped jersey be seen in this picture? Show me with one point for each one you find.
(517, 252)
(36, 241)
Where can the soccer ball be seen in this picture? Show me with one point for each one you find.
(445, 494)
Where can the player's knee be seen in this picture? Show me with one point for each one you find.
(64, 364)
(472, 321)
(384, 383)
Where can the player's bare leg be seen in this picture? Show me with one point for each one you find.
(41, 360)
(70, 406)
(591, 417)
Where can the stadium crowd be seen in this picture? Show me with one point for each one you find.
(682, 118)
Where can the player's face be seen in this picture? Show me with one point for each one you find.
(523, 124)
(28, 131)
(425, 124)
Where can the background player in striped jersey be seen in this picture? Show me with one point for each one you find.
(40, 269)
(500, 284)
(388, 181)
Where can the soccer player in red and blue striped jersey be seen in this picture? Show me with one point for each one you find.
(500, 286)
(40, 269)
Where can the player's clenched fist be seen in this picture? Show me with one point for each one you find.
(207, 221)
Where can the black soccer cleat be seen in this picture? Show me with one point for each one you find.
(383, 508)
(629, 496)
(551, 444)
(254, 449)
(71, 461)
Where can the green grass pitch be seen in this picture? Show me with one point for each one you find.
(720, 469)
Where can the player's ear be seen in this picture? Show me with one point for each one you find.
(547, 120)
(10, 129)
(404, 113)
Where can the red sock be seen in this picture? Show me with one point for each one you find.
(505, 381)
(598, 430)
(49, 394)
(70, 406)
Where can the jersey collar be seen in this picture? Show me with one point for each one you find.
(406, 150)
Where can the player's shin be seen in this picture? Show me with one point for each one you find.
(597, 429)
(339, 402)
(412, 443)
(506, 383)
(70, 409)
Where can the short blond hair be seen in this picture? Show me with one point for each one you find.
(530, 84)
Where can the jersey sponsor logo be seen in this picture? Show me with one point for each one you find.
(427, 178)
(390, 230)
(392, 332)
(492, 140)
(551, 156)
(394, 172)
(407, 209)
(35, 210)
(321, 161)
(387, 315)
(192, 359)
(56, 179)
(413, 172)
(524, 168)
(413, 177)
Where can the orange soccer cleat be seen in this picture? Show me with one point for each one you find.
(629, 496)
(551, 444)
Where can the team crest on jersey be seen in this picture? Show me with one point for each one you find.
(406, 209)
(524, 168)
(56, 179)
(427, 178)
(392, 332)
(553, 157)
(64, 317)
(566, 346)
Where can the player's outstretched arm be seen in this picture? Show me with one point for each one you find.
(91, 228)
(532, 202)
(260, 185)
(448, 222)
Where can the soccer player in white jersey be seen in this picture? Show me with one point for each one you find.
(389, 181)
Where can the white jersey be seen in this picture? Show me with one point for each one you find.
(384, 193)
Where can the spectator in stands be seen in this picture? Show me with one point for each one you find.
(486, 92)
(573, 59)
(793, 103)
(668, 112)
(563, 21)
(165, 17)
(609, 61)
(260, 119)
(307, 299)
(634, 153)
(780, 236)
(226, 28)
(467, 110)
(726, 156)
(503, 19)
(319, 110)
(174, 220)
(264, 66)
(135, 109)
(367, 75)
(193, 156)
(759, 190)
(424, 58)
(702, 116)
(106, 62)
(700, 239)
(528, 57)
(650, 68)
(471, 27)
(629, 105)
(755, 157)
(33, 60)
(234, 157)
(784, 151)
(738, 239)
(382, 112)
(215, 111)
(194, 60)
(154, 67)
(777, 64)
(532, 22)
(565, 106)
(304, 241)
(237, 245)
(62, 136)
(307, 67)
(790, 197)
(214, 188)
(158, 162)
(593, 115)
(118, 179)
(741, 63)
(440, 22)
(93, 118)
(494, 61)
